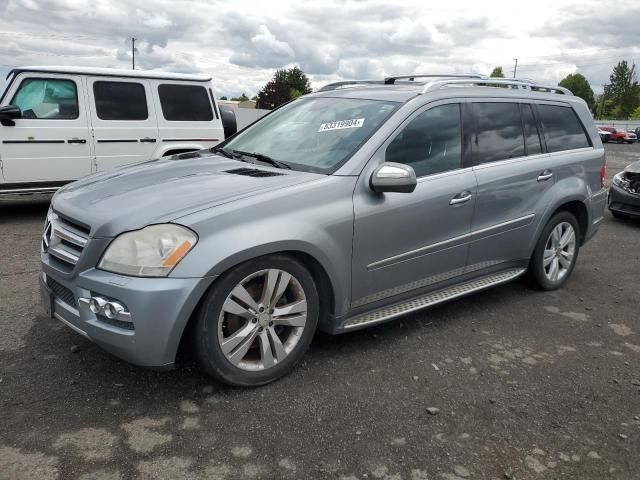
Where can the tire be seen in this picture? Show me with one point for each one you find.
(541, 274)
(620, 140)
(258, 347)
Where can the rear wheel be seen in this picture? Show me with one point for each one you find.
(257, 321)
(556, 253)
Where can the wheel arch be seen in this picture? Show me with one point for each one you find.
(318, 271)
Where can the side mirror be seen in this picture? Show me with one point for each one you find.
(393, 177)
(8, 114)
(229, 122)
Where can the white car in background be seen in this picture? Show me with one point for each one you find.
(62, 123)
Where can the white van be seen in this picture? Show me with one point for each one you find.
(62, 123)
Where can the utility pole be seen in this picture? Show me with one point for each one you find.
(133, 53)
(515, 69)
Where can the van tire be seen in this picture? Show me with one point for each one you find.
(213, 325)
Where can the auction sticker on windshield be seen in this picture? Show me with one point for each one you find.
(341, 124)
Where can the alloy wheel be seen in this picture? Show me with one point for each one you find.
(262, 319)
(559, 252)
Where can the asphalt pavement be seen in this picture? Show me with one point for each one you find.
(510, 383)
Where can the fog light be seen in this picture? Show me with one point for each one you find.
(112, 309)
(96, 304)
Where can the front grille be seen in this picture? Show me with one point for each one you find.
(253, 172)
(64, 240)
(62, 292)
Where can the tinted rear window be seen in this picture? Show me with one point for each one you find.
(498, 132)
(185, 103)
(120, 101)
(562, 128)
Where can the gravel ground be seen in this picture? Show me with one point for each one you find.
(512, 383)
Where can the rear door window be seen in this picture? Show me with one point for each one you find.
(498, 133)
(531, 134)
(185, 103)
(562, 128)
(120, 101)
(47, 98)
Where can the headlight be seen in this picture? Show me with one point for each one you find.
(150, 252)
(620, 181)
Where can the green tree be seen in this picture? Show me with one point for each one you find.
(580, 87)
(286, 85)
(497, 73)
(223, 98)
(623, 89)
(635, 115)
(241, 98)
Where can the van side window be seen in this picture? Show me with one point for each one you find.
(498, 133)
(120, 101)
(185, 103)
(562, 128)
(431, 142)
(531, 135)
(47, 98)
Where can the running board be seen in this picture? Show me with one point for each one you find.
(430, 299)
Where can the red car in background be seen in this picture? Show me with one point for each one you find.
(619, 136)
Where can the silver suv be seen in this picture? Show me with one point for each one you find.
(343, 209)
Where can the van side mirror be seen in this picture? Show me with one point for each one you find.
(393, 177)
(229, 122)
(8, 114)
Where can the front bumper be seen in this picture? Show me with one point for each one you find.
(160, 309)
(621, 201)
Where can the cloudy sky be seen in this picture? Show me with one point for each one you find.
(240, 43)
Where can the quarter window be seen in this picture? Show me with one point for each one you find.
(531, 135)
(431, 142)
(120, 101)
(47, 98)
(498, 132)
(185, 103)
(562, 128)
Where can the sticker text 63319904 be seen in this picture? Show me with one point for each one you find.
(341, 124)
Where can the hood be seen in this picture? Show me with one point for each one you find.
(162, 190)
(633, 168)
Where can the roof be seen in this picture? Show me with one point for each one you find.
(393, 93)
(113, 72)
(443, 86)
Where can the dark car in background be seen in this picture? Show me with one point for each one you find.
(624, 194)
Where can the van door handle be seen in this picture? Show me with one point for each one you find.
(546, 175)
(461, 198)
(148, 140)
(77, 140)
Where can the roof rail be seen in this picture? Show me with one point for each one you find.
(493, 82)
(392, 80)
(349, 83)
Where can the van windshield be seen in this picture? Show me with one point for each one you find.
(313, 134)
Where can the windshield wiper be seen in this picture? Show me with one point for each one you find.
(264, 158)
(226, 153)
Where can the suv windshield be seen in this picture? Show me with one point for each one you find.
(314, 134)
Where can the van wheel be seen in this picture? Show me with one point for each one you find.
(556, 253)
(257, 321)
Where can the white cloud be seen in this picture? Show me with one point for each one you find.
(241, 43)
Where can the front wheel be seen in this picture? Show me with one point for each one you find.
(257, 321)
(556, 253)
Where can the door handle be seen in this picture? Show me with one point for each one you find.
(148, 140)
(461, 198)
(546, 175)
(76, 140)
